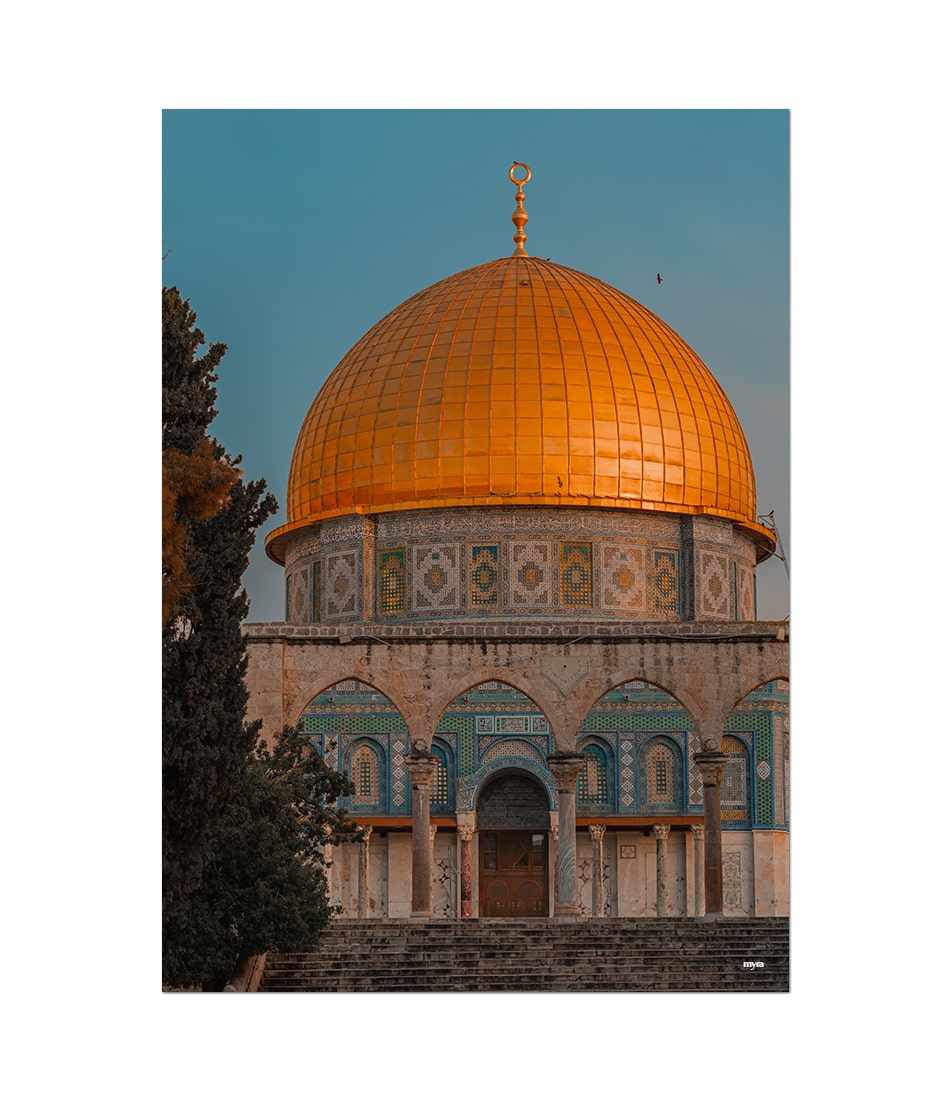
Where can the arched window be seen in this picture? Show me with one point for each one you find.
(659, 777)
(593, 781)
(442, 791)
(366, 778)
(734, 792)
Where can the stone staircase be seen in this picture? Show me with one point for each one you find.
(502, 955)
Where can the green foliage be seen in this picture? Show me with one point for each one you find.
(264, 881)
(206, 740)
(243, 829)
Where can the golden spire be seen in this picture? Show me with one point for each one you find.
(519, 217)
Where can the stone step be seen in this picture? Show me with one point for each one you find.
(538, 955)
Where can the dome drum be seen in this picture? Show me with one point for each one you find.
(465, 564)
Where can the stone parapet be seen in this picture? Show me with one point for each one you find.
(528, 629)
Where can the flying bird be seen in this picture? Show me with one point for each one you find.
(658, 279)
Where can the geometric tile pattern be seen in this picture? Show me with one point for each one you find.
(659, 776)
(745, 594)
(457, 562)
(400, 786)
(695, 778)
(715, 584)
(593, 783)
(484, 577)
(734, 790)
(315, 589)
(391, 581)
(436, 578)
(577, 582)
(628, 788)
(342, 587)
(518, 747)
(623, 578)
(531, 575)
(665, 586)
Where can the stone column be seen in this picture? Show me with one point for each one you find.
(699, 905)
(710, 766)
(327, 852)
(421, 765)
(362, 895)
(566, 767)
(466, 832)
(555, 853)
(661, 832)
(597, 871)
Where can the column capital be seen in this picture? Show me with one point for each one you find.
(366, 831)
(566, 766)
(710, 766)
(661, 832)
(698, 831)
(597, 831)
(433, 829)
(466, 832)
(420, 766)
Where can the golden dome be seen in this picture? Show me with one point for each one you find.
(520, 382)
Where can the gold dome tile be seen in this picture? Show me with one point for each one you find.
(520, 382)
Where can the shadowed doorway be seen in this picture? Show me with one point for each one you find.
(513, 815)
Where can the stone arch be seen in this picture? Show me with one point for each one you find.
(459, 688)
(524, 798)
(759, 721)
(306, 695)
(353, 712)
(626, 717)
(592, 693)
(753, 684)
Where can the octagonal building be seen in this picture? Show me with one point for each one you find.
(520, 553)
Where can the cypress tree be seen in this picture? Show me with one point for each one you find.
(210, 517)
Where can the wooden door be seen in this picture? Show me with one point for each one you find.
(513, 874)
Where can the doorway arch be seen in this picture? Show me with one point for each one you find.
(514, 824)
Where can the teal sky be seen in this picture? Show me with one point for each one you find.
(293, 232)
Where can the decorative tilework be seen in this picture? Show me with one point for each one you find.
(734, 790)
(300, 599)
(623, 578)
(745, 594)
(577, 581)
(342, 587)
(509, 724)
(397, 768)
(593, 782)
(524, 561)
(517, 748)
(315, 589)
(627, 781)
(391, 581)
(715, 585)
(659, 776)
(530, 576)
(665, 581)
(436, 578)
(484, 577)
(695, 778)
(539, 724)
